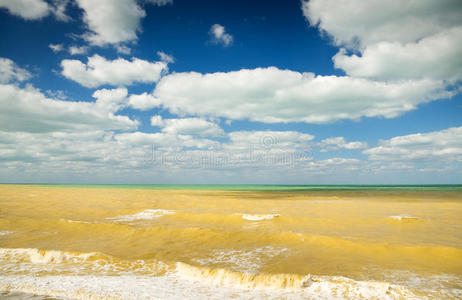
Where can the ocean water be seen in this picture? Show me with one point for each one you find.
(230, 242)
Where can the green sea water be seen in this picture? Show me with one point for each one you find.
(232, 187)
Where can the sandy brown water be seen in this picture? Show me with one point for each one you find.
(269, 244)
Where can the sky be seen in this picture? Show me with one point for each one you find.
(231, 92)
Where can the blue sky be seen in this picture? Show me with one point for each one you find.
(288, 92)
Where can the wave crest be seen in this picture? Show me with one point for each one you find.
(256, 217)
(147, 214)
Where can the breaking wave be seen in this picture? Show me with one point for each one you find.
(147, 214)
(250, 217)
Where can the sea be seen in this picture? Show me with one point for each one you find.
(230, 242)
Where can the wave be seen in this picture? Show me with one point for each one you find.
(32, 260)
(6, 232)
(244, 260)
(147, 214)
(100, 276)
(77, 221)
(190, 282)
(308, 285)
(404, 218)
(256, 217)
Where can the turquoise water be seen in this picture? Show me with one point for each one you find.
(219, 187)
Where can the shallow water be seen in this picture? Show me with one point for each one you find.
(137, 242)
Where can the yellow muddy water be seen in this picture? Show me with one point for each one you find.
(121, 243)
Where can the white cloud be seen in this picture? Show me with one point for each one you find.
(76, 50)
(337, 143)
(369, 22)
(10, 71)
(26, 9)
(122, 49)
(445, 144)
(29, 110)
(272, 95)
(36, 9)
(143, 101)
(99, 71)
(159, 2)
(396, 39)
(219, 35)
(157, 121)
(56, 47)
(436, 57)
(266, 140)
(111, 21)
(187, 126)
(110, 100)
(164, 141)
(114, 21)
(59, 10)
(165, 57)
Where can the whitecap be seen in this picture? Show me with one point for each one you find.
(6, 232)
(147, 214)
(403, 217)
(250, 217)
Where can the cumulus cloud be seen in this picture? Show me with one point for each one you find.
(10, 71)
(111, 21)
(28, 110)
(363, 23)
(445, 144)
(396, 39)
(264, 140)
(56, 47)
(165, 57)
(159, 2)
(143, 101)
(338, 143)
(99, 71)
(219, 35)
(114, 21)
(272, 95)
(187, 126)
(26, 9)
(59, 10)
(36, 9)
(436, 57)
(76, 50)
(164, 141)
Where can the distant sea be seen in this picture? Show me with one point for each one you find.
(264, 187)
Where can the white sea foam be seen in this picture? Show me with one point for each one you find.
(243, 260)
(403, 217)
(31, 260)
(182, 286)
(77, 221)
(6, 232)
(256, 217)
(185, 281)
(147, 214)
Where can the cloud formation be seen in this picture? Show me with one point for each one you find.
(396, 39)
(10, 71)
(219, 35)
(338, 143)
(113, 21)
(119, 72)
(437, 145)
(36, 9)
(26, 9)
(359, 24)
(188, 126)
(28, 110)
(272, 95)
